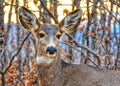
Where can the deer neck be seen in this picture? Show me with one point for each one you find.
(47, 73)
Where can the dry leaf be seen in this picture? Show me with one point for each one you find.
(67, 41)
(107, 28)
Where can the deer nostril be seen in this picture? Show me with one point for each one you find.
(51, 50)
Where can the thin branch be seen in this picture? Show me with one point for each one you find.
(84, 47)
(115, 3)
(10, 63)
(70, 45)
(1, 72)
(48, 11)
(88, 59)
(106, 51)
(1, 60)
(80, 51)
(118, 54)
(102, 4)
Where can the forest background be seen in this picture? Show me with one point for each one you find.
(97, 35)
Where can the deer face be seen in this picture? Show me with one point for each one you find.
(48, 40)
(47, 36)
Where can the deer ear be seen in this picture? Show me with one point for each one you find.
(71, 21)
(27, 19)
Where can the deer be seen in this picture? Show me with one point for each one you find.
(52, 70)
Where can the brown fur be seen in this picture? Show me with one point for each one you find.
(62, 74)
(53, 71)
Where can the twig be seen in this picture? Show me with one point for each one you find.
(70, 45)
(80, 51)
(118, 55)
(1, 60)
(48, 11)
(86, 48)
(115, 3)
(10, 63)
(1, 72)
(91, 61)
(102, 4)
(106, 51)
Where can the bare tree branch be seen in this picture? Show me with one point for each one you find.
(80, 51)
(115, 3)
(48, 11)
(102, 4)
(70, 45)
(88, 59)
(86, 48)
(10, 63)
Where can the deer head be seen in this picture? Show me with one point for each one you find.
(47, 36)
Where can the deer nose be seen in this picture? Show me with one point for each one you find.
(51, 50)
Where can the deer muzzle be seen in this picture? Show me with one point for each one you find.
(51, 51)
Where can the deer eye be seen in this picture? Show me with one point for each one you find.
(41, 35)
(58, 36)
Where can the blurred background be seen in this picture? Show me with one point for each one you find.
(98, 32)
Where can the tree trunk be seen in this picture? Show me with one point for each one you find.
(1, 27)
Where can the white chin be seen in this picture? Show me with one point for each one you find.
(44, 60)
(51, 55)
